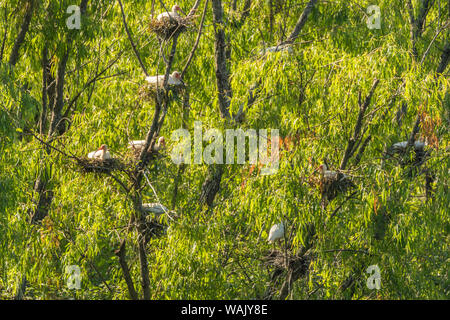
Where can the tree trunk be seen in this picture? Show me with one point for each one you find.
(222, 73)
(14, 56)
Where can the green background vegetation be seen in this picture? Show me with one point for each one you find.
(310, 95)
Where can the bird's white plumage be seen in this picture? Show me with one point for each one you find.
(102, 153)
(136, 144)
(173, 80)
(328, 174)
(276, 232)
(167, 15)
(402, 145)
(155, 208)
(139, 144)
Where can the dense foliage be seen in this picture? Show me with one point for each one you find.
(312, 93)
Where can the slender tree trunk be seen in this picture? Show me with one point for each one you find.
(44, 196)
(59, 98)
(43, 118)
(222, 73)
(55, 101)
(14, 56)
(445, 57)
(211, 186)
(417, 23)
(5, 34)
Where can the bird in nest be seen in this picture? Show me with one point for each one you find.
(170, 15)
(101, 153)
(333, 183)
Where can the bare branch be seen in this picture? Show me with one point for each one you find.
(131, 39)
(199, 33)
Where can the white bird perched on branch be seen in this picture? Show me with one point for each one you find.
(101, 153)
(276, 232)
(174, 79)
(139, 144)
(170, 15)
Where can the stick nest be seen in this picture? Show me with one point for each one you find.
(168, 27)
(100, 166)
(149, 92)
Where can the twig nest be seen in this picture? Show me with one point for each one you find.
(333, 183)
(297, 264)
(99, 165)
(167, 27)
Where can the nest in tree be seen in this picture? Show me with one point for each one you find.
(332, 185)
(149, 92)
(100, 166)
(295, 262)
(153, 229)
(294, 266)
(168, 27)
(400, 152)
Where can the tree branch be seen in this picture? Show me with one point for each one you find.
(222, 73)
(199, 33)
(121, 253)
(356, 134)
(300, 23)
(14, 56)
(131, 39)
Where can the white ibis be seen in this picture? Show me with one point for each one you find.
(421, 153)
(401, 146)
(170, 15)
(174, 79)
(101, 153)
(139, 144)
(155, 208)
(276, 232)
